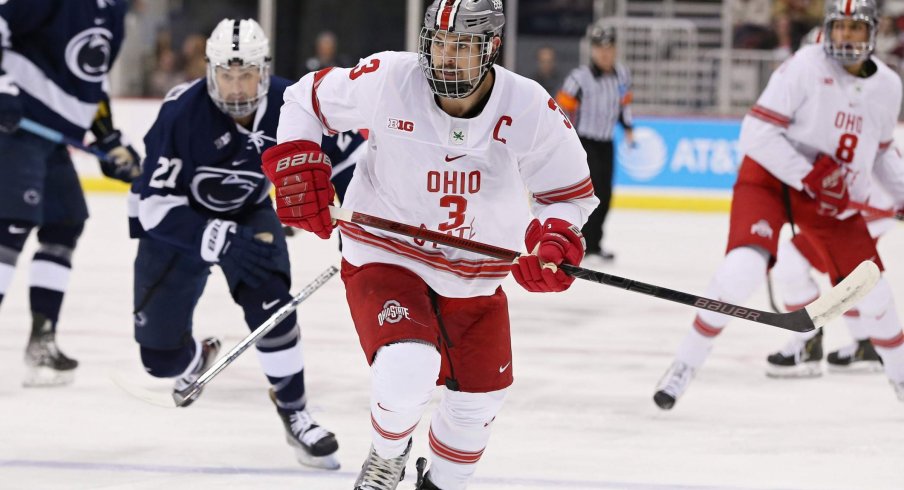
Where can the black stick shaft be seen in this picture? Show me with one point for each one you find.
(798, 321)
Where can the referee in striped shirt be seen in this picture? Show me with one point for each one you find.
(596, 97)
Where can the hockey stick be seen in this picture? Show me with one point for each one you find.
(173, 400)
(827, 307)
(878, 212)
(55, 136)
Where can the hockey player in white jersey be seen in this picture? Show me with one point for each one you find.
(812, 142)
(455, 144)
(802, 355)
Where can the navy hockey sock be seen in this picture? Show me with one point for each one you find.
(12, 238)
(51, 268)
(280, 350)
(167, 363)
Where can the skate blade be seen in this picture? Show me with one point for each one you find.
(328, 462)
(152, 397)
(805, 370)
(45, 377)
(862, 367)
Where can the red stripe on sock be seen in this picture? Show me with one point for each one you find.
(891, 343)
(705, 329)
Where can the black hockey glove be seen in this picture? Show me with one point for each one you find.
(123, 162)
(10, 104)
(252, 258)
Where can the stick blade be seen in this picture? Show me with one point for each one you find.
(847, 293)
(157, 398)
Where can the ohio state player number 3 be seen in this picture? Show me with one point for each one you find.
(362, 69)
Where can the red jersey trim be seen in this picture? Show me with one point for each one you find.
(315, 102)
(466, 269)
(580, 190)
(452, 454)
(769, 116)
(883, 145)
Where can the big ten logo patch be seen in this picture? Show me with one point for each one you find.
(401, 125)
(392, 312)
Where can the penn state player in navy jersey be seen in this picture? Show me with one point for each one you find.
(55, 58)
(202, 199)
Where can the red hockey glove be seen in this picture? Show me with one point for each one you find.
(551, 244)
(826, 184)
(301, 174)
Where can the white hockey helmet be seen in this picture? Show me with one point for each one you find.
(858, 10)
(463, 22)
(240, 43)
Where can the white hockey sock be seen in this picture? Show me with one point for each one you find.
(403, 379)
(881, 323)
(459, 432)
(855, 325)
(6, 277)
(791, 278)
(694, 348)
(742, 271)
(888, 339)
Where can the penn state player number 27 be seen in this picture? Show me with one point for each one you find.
(164, 177)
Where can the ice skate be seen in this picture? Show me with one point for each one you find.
(314, 446)
(673, 384)
(858, 357)
(798, 359)
(423, 476)
(382, 474)
(46, 365)
(210, 347)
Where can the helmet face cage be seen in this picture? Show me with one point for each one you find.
(456, 46)
(234, 48)
(228, 103)
(857, 10)
(455, 63)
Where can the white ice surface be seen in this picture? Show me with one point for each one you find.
(580, 415)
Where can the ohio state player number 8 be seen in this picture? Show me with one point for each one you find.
(846, 145)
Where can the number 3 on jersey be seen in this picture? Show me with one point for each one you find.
(846, 146)
(362, 69)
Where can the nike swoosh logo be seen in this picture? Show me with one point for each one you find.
(503, 368)
(383, 408)
(239, 162)
(452, 159)
(266, 306)
(16, 230)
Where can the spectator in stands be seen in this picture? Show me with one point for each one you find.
(194, 59)
(793, 20)
(887, 43)
(546, 72)
(326, 53)
(166, 74)
(752, 21)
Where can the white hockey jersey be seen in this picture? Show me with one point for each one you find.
(466, 177)
(812, 105)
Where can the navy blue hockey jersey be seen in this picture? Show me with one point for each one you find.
(59, 53)
(201, 165)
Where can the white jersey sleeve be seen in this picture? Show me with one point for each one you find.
(764, 129)
(555, 170)
(889, 173)
(333, 100)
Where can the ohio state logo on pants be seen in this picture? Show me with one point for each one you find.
(392, 312)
